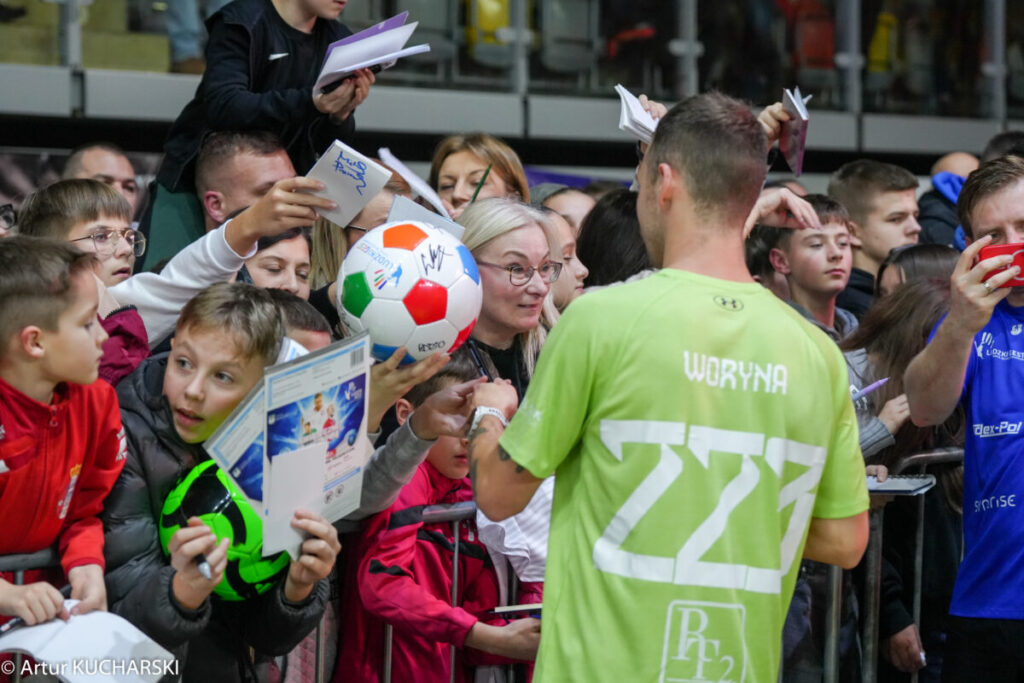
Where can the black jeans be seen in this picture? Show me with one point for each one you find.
(989, 650)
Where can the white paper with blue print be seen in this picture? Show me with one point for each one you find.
(350, 179)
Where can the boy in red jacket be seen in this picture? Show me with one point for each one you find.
(404, 575)
(61, 442)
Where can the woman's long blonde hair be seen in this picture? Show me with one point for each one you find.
(489, 219)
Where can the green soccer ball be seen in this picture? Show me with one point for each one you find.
(209, 494)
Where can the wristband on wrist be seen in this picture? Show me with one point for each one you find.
(479, 413)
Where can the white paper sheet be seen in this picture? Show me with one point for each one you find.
(98, 647)
(404, 209)
(350, 179)
(418, 185)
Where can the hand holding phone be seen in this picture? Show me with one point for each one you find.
(1015, 250)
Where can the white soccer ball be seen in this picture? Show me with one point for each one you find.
(410, 284)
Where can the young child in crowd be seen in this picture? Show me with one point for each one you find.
(171, 404)
(61, 442)
(404, 575)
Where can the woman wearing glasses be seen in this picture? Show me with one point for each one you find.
(510, 245)
(511, 248)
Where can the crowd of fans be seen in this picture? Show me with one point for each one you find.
(130, 332)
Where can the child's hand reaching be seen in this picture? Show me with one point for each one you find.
(445, 412)
(318, 554)
(517, 640)
(190, 587)
(33, 602)
(288, 204)
(88, 587)
(389, 382)
(771, 119)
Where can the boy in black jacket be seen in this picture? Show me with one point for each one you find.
(262, 58)
(225, 337)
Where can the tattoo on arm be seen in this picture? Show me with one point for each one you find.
(505, 457)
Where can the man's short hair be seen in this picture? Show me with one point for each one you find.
(53, 211)
(298, 313)
(73, 166)
(856, 184)
(223, 146)
(245, 313)
(991, 177)
(36, 283)
(720, 149)
(827, 209)
(1001, 144)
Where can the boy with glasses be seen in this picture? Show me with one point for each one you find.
(138, 312)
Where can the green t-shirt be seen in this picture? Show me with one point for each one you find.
(696, 425)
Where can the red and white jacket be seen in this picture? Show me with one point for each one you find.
(404, 578)
(57, 464)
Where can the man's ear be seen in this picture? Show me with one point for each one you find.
(213, 204)
(855, 234)
(779, 262)
(666, 184)
(403, 409)
(31, 341)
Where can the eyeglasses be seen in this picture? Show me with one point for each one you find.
(8, 217)
(519, 276)
(106, 240)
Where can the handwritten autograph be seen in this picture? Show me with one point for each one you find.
(353, 168)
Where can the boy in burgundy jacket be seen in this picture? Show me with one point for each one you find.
(404, 575)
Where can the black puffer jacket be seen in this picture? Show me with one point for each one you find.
(213, 642)
(259, 76)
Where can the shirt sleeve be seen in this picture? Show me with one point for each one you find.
(159, 297)
(551, 418)
(842, 491)
(81, 541)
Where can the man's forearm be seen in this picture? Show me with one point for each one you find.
(501, 487)
(935, 378)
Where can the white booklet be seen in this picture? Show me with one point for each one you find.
(377, 47)
(793, 138)
(419, 186)
(405, 209)
(299, 440)
(902, 484)
(633, 118)
(98, 647)
(351, 179)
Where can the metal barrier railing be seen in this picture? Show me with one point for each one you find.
(18, 565)
(872, 582)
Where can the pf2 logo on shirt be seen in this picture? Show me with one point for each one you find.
(700, 643)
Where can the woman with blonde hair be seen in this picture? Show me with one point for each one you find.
(509, 242)
(460, 163)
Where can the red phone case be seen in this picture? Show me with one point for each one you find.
(1016, 251)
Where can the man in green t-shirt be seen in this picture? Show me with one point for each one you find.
(702, 432)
